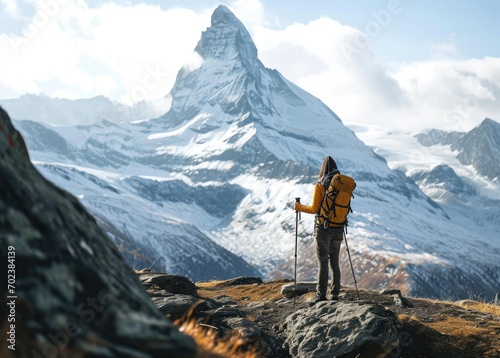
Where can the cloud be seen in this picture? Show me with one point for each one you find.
(451, 94)
(250, 12)
(11, 7)
(336, 63)
(128, 53)
(352, 83)
(133, 52)
(446, 49)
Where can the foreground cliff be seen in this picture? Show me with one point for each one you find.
(67, 290)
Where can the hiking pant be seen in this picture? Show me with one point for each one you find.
(327, 251)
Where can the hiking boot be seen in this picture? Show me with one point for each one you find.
(334, 298)
(317, 299)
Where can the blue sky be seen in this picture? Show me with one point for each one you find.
(394, 63)
(471, 25)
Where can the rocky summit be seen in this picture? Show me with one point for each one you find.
(249, 317)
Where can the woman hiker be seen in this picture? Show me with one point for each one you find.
(328, 242)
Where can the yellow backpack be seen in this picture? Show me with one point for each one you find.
(336, 203)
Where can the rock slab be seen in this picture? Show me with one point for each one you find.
(341, 330)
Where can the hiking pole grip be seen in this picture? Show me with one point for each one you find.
(297, 200)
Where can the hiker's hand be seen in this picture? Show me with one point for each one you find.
(296, 204)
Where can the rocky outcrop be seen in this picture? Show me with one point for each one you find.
(170, 283)
(438, 137)
(301, 288)
(481, 148)
(342, 330)
(175, 306)
(281, 328)
(70, 291)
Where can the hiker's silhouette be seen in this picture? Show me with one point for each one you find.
(328, 240)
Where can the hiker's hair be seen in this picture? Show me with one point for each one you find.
(327, 167)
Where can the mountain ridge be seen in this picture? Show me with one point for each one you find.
(478, 147)
(61, 111)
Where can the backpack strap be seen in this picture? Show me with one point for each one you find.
(324, 202)
(348, 206)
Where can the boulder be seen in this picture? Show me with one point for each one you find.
(73, 294)
(341, 330)
(176, 306)
(288, 290)
(246, 329)
(170, 283)
(229, 318)
(242, 280)
(399, 300)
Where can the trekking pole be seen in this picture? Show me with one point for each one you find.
(297, 219)
(350, 261)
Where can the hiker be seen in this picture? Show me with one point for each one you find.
(328, 241)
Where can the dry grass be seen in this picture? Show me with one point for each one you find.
(451, 337)
(480, 306)
(270, 291)
(459, 329)
(457, 326)
(211, 345)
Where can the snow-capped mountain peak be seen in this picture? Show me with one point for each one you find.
(227, 38)
(481, 148)
(233, 94)
(222, 167)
